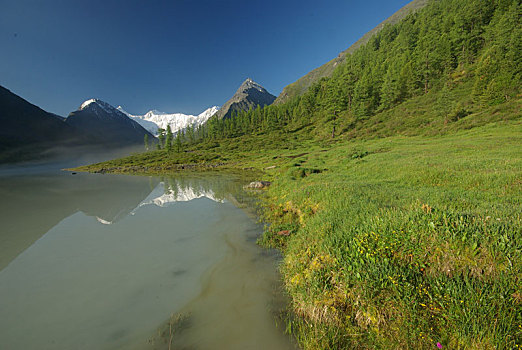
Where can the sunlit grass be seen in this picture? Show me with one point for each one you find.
(402, 232)
(414, 243)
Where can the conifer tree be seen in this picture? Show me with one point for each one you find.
(178, 142)
(161, 138)
(168, 140)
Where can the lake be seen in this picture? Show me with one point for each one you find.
(93, 261)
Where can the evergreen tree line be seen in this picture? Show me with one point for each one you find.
(479, 37)
(172, 142)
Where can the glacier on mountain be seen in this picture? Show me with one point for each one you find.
(154, 119)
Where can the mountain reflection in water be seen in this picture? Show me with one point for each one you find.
(103, 261)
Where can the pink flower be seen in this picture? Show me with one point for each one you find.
(439, 345)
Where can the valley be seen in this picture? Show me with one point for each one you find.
(392, 184)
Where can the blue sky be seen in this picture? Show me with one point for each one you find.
(174, 56)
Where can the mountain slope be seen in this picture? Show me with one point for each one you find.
(154, 119)
(24, 125)
(249, 95)
(107, 124)
(302, 84)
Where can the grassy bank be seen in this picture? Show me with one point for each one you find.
(403, 231)
(404, 242)
(396, 242)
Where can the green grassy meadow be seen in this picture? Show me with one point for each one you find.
(404, 242)
(401, 240)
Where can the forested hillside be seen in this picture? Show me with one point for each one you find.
(302, 84)
(464, 54)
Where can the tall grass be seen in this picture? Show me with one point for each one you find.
(404, 242)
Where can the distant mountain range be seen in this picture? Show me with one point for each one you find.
(27, 131)
(154, 119)
(249, 95)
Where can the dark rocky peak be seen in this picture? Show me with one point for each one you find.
(249, 95)
(250, 84)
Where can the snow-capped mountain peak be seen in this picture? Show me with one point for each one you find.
(209, 112)
(154, 119)
(106, 124)
(86, 103)
(94, 101)
(155, 111)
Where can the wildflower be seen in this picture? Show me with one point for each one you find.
(439, 345)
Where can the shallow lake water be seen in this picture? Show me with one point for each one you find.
(128, 262)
